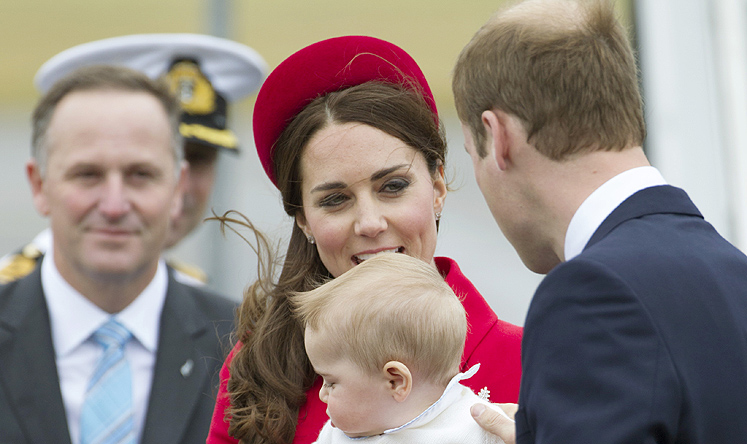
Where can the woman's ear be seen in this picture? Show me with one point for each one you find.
(439, 190)
(399, 380)
(301, 222)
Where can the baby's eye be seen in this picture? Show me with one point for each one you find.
(328, 384)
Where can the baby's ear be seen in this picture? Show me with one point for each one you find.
(399, 380)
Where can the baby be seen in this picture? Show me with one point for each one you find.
(387, 337)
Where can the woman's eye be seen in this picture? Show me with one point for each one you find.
(333, 200)
(395, 186)
(328, 384)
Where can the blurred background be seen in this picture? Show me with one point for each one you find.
(693, 60)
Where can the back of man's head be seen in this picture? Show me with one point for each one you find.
(565, 68)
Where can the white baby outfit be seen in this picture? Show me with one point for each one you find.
(447, 420)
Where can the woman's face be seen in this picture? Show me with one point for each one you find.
(365, 192)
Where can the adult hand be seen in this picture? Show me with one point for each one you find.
(499, 423)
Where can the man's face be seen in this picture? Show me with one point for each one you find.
(111, 184)
(199, 186)
(514, 209)
(482, 167)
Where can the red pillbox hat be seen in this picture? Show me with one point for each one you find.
(324, 67)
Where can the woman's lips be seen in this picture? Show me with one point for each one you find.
(360, 257)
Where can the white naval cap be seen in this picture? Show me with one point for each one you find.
(204, 71)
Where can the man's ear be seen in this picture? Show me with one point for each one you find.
(36, 181)
(498, 140)
(399, 380)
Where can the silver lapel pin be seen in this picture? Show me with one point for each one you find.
(186, 369)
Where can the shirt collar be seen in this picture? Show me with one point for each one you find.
(74, 318)
(43, 240)
(449, 396)
(602, 202)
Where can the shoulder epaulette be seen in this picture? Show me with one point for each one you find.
(19, 265)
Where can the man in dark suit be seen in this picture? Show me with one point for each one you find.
(638, 333)
(107, 170)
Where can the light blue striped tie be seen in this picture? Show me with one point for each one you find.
(107, 417)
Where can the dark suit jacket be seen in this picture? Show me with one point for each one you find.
(642, 338)
(195, 325)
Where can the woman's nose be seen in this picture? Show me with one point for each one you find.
(370, 220)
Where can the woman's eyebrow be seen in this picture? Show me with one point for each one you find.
(328, 186)
(386, 171)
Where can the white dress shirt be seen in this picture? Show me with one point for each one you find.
(602, 202)
(73, 320)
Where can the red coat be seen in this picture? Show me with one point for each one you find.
(493, 343)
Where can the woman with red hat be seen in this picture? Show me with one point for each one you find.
(347, 129)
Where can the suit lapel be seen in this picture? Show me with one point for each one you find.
(653, 200)
(29, 370)
(179, 376)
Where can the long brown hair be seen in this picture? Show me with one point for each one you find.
(271, 373)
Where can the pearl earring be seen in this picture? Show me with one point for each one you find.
(438, 216)
(311, 239)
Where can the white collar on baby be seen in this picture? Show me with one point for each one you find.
(450, 394)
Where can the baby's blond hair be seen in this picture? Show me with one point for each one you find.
(390, 308)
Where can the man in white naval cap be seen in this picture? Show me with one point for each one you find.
(207, 74)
